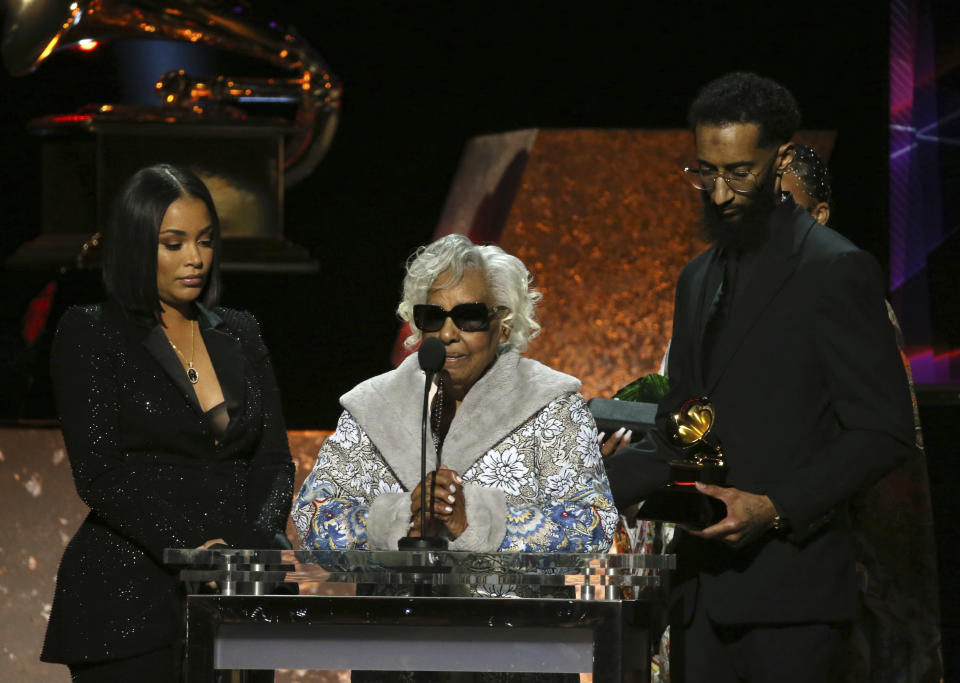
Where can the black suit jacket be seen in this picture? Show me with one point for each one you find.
(812, 405)
(149, 466)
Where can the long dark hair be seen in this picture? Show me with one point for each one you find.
(132, 239)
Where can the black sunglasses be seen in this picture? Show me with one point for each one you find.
(468, 317)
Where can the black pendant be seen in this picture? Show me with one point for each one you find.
(192, 376)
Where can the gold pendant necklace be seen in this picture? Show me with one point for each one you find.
(192, 373)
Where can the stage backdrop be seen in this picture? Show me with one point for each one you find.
(605, 222)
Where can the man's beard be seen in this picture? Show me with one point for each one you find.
(749, 231)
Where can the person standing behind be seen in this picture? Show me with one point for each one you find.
(172, 422)
(808, 180)
(781, 325)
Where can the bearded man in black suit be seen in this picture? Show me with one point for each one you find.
(781, 325)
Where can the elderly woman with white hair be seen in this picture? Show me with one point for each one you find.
(518, 466)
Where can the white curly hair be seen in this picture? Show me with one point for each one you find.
(508, 279)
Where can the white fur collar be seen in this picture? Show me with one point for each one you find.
(388, 407)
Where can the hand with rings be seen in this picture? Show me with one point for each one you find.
(445, 504)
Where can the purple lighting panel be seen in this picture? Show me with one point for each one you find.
(924, 175)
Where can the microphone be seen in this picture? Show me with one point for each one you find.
(431, 356)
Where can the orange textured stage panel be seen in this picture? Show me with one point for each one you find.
(605, 222)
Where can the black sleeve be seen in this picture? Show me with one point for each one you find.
(869, 394)
(639, 469)
(269, 487)
(87, 387)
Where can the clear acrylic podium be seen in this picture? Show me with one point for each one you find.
(436, 622)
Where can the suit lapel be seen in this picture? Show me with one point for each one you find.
(700, 312)
(225, 354)
(227, 358)
(158, 346)
(690, 319)
(776, 263)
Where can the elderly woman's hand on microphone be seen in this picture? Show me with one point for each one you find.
(445, 502)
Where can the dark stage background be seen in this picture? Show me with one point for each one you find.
(420, 79)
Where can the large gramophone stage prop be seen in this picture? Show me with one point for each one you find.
(247, 137)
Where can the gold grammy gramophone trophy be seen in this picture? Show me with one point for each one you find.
(679, 501)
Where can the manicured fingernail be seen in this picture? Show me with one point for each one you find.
(449, 509)
(600, 437)
(628, 434)
(453, 489)
(457, 479)
(617, 434)
(451, 499)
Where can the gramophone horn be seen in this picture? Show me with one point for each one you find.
(35, 29)
(32, 30)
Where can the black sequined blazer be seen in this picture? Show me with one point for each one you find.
(154, 474)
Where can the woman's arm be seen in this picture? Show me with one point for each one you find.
(577, 513)
(270, 476)
(350, 499)
(88, 389)
(580, 515)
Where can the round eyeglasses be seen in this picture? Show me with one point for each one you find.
(740, 181)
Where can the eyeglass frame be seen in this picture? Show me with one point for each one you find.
(726, 176)
(492, 313)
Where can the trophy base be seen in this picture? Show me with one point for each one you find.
(685, 472)
(682, 505)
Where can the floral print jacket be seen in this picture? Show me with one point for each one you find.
(523, 440)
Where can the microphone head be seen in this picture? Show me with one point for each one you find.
(432, 355)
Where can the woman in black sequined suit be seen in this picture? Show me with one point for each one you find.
(174, 430)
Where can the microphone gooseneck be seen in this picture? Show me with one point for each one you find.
(431, 356)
